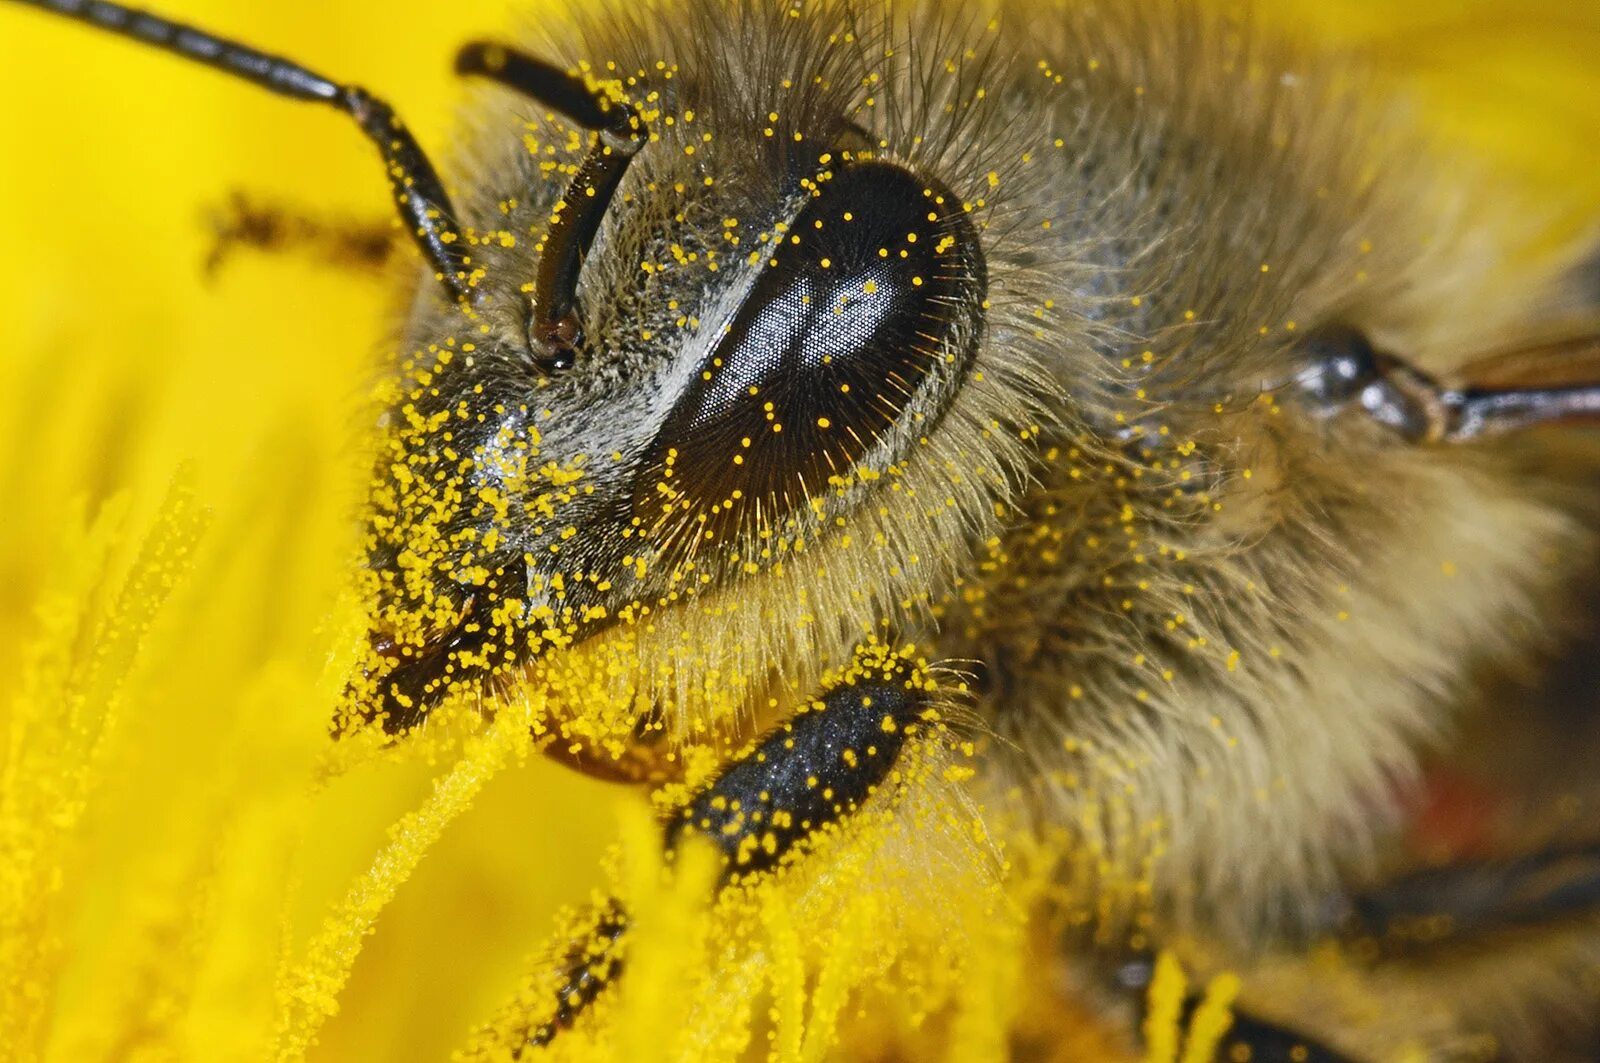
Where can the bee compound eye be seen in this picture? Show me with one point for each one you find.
(867, 308)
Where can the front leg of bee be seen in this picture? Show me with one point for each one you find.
(764, 809)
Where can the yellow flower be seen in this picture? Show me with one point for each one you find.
(189, 867)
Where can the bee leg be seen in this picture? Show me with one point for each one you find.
(1510, 947)
(244, 223)
(1499, 947)
(410, 689)
(590, 964)
(805, 775)
(1448, 903)
(1264, 1042)
(400, 685)
(1248, 1037)
(801, 778)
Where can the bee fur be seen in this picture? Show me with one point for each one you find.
(1218, 631)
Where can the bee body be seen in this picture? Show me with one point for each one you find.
(1126, 498)
(1166, 556)
(803, 400)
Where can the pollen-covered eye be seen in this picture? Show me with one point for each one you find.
(855, 333)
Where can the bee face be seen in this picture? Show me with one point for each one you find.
(781, 372)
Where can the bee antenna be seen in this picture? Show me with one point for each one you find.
(1480, 410)
(423, 204)
(1476, 412)
(554, 332)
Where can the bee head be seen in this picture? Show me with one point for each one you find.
(714, 339)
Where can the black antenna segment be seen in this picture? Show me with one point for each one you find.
(418, 194)
(554, 332)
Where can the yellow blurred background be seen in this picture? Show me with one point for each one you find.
(155, 812)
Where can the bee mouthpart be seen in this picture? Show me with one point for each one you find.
(417, 678)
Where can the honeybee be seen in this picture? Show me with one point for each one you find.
(1073, 440)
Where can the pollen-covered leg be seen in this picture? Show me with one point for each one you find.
(1489, 959)
(593, 961)
(460, 643)
(807, 774)
(1444, 904)
(1510, 947)
(1206, 1023)
(761, 812)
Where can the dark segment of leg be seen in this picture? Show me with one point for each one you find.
(805, 775)
(1248, 1038)
(1479, 897)
(592, 963)
(418, 192)
(243, 223)
(1262, 1042)
(415, 685)
(811, 771)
